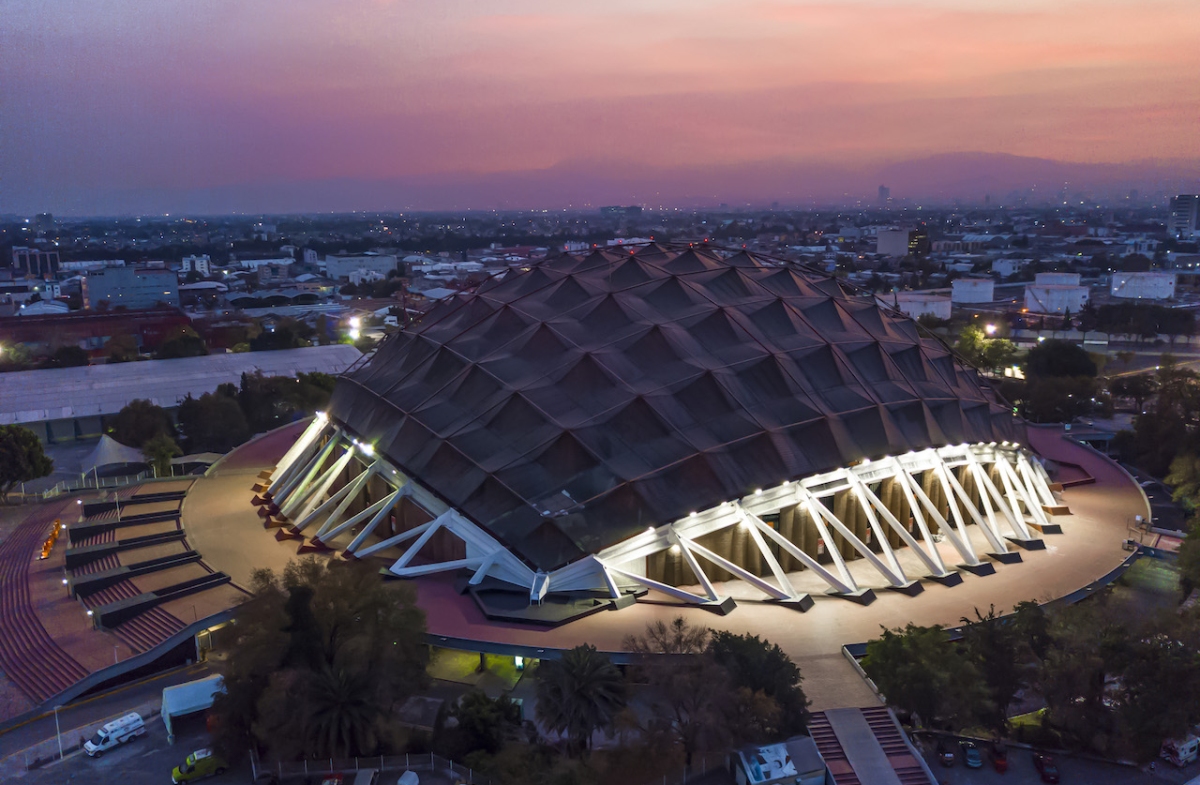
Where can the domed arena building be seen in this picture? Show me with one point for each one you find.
(596, 443)
(629, 423)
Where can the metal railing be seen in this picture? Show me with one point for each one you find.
(86, 482)
(89, 482)
(290, 770)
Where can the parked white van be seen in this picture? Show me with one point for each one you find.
(116, 732)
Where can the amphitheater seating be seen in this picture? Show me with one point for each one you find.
(144, 631)
(30, 658)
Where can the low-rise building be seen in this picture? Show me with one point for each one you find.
(892, 242)
(918, 304)
(339, 268)
(1144, 286)
(84, 265)
(1184, 221)
(34, 261)
(1056, 279)
(198, 263)
(366, 276)
(130, 287)
(972, 290)
(1007, 268)
(796, 761)
(254, 264)
(1055, 298)
(273, 273)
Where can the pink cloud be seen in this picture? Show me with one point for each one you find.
(233, 92)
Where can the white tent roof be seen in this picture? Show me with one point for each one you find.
(110, 452)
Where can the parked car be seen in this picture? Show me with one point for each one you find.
(1181, 752)
(199, 765)
(1045, 765)
(117, 732)
(945, 754)
(999, 757)
(971, 757)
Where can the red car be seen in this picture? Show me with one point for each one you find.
(999, 757)
(1045, 765)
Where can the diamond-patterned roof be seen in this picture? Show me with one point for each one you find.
(647, 383)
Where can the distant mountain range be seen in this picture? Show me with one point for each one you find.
(939, 179)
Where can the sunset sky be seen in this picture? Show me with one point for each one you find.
(108, 97)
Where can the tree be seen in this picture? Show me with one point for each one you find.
(1058, 358)
(66, 357)
(22, 458)
(14, 357)
(484, 723)
(921, 672)
(1139, 387)
(1058, 398)
(285, 334)
(692, 699)
(320, 658)
(159, 450)
(1088, 318)
(121, 349)
(212, 423)
(1032, 626)
(1089, 649)
(1184, 479)
(271, 401)
(986, 353)
(678, 637)
(998, 353)
(1167, 428)
(139, 422)
(1189, 559)
(993, 646)
(579, 694)
(760, 666)
(970, 344)
(182, 342)
(1159, 691)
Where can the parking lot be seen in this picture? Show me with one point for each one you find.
(148, 760)
(144, 761)
(1073, 771)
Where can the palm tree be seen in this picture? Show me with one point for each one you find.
(342, 714)
(579, 695)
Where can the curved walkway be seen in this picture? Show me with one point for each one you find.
(224, 526)
(31, 659)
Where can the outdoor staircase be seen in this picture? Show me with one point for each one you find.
(28, 656)
(144, 631)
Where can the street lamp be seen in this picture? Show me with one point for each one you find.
(58, 732)
(990, 329)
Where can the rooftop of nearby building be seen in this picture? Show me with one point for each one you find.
(92, 390)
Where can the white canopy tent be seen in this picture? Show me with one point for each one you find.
(189, 698)
(110, 452)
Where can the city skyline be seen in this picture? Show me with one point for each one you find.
(390, 105)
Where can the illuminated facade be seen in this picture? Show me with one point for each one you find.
(664, 418)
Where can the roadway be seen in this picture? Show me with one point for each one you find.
(147, 760)
(86, 712)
